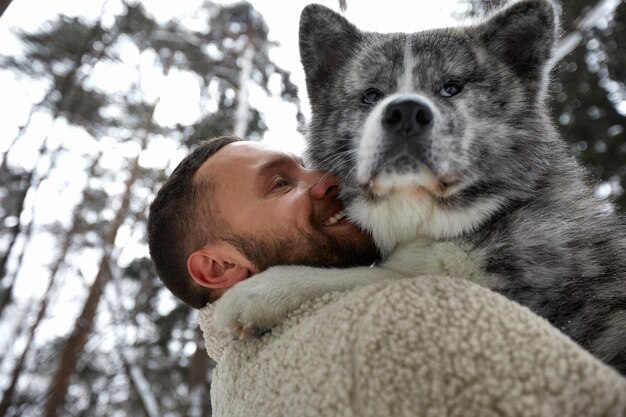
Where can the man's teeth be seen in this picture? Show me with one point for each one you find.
(334, 218)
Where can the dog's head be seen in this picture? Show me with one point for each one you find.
(430, 132)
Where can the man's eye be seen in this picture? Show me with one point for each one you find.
(279, 184)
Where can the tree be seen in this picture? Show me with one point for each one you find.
(157, 361)
(4, 4)
(587, 86)
(45, 300)
(61, 52)
(84, 323)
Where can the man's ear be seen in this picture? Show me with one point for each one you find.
(217, 266)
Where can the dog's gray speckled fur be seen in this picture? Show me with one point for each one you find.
(443, 146)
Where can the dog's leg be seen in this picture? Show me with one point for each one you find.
(255, 305)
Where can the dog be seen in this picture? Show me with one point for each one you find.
(447, 156)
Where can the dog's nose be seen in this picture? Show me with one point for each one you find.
(407, 117)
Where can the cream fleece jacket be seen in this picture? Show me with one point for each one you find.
(417, 347)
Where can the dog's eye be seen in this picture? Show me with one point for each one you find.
(451, 88)
(372, 96)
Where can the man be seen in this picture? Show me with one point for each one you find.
(233, 208)
(409, 347)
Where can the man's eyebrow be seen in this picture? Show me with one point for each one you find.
(278, 162)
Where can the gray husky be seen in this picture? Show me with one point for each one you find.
(448, 158)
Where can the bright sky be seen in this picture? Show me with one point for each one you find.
(179, 93)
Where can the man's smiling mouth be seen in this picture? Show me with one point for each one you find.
(340, 215)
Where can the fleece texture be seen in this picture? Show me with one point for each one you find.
(426, 346)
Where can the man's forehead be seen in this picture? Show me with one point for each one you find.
(238, 157)
(249, 150)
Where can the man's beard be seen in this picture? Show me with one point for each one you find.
(314, 247)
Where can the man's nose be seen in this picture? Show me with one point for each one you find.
(324, 185)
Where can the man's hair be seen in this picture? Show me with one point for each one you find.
(182, 220)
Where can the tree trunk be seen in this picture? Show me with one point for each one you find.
(141, 385)
(242, 113)
(43, 305)
(4, 4)
(74, 346)
(198, 369)
(83, 326)
(15, 230)
(4, 166)
(5, 176)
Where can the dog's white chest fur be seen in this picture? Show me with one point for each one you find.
(429, 257)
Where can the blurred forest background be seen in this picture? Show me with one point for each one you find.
(98, 335)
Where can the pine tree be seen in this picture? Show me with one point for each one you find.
(157, 363)
(587, 85)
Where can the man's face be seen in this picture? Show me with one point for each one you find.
(277, 212)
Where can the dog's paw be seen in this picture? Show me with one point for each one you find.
(254, 306)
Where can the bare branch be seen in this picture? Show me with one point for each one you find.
(585, 23)
(242, 114)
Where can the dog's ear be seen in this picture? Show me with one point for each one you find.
(327, 40)
(524, 36)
